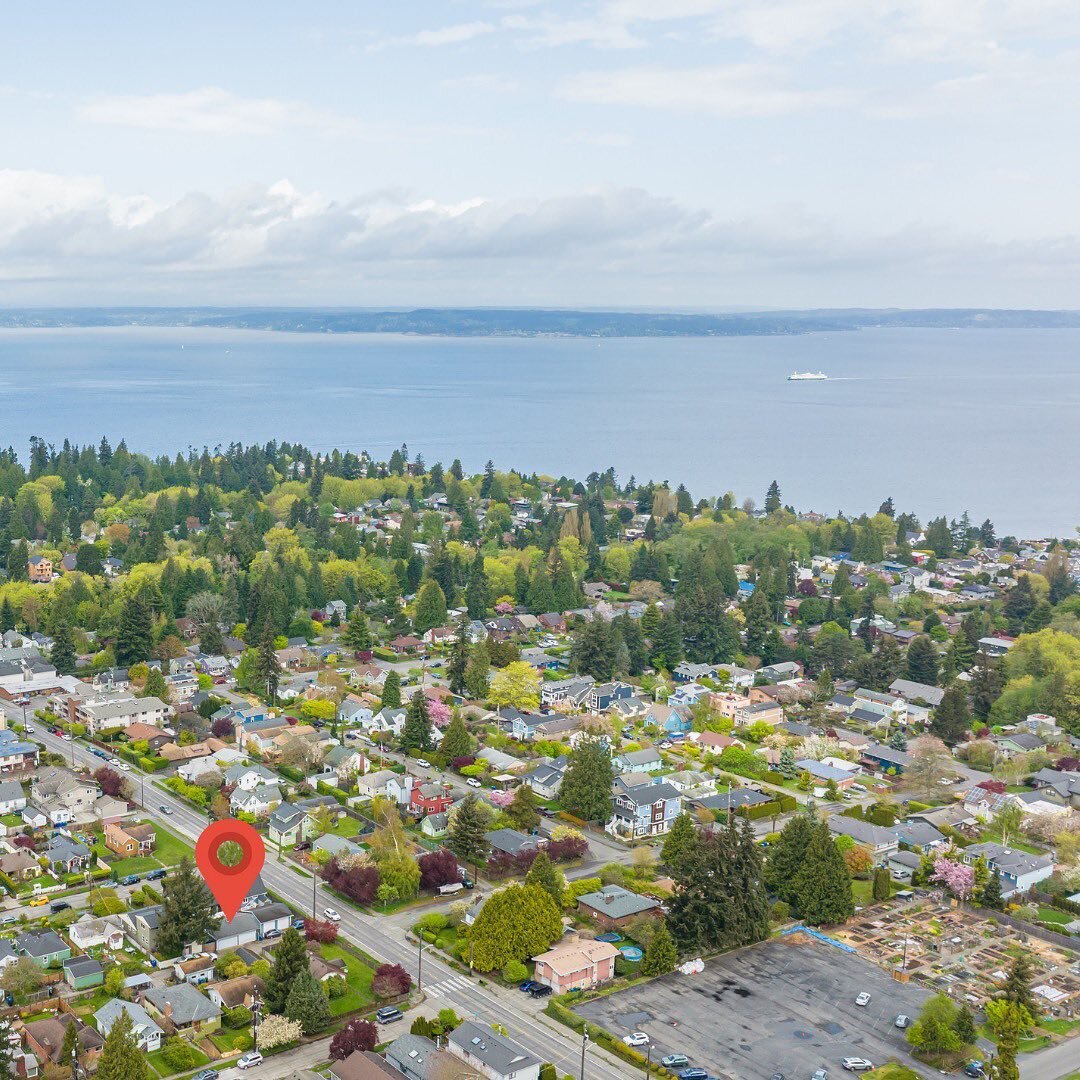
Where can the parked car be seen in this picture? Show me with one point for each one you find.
(331, 914)
(539, 990)
(250, 1060)
(863, 999)
(38, 901)
(857, 1064)
(59, 905)
(636, 1038)
(693, 1073)
(298, 924)
(778, 1076)
(527, 985)
(206, 1074)
(130, 879)
(156, 875)
(974, 1068)
(820, 1074)
(675, 1061)
(65, 736)
(423, 762)
(473, 782)
(902, 1021)
(388, 1014)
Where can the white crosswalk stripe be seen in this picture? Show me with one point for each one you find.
(447, 986)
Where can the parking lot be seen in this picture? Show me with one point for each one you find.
(784, 1006)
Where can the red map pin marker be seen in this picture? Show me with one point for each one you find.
(230, 884)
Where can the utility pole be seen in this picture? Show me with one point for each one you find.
(256, 1007)
(584, 1044)
(314, 891)
(648, 1062)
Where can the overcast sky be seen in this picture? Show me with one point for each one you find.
(655, 153)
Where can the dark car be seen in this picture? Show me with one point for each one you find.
(298, 924)
(527, 985)
(974, 1068)
(130, 879)
(539, 990)
(206, 1074)
(156, 875)
(59, 905)
(388, 1014)
(693, 1073)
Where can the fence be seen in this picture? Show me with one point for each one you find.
(1061, 941)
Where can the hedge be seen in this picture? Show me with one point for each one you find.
(557, 1011)
(780, 805)
(323, 788)
(290, 772)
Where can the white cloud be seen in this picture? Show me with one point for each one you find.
(210, 110)
(501, 84)
(64, 239)
(736, 90)
(457, 34)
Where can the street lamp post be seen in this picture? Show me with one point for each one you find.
(419, 965)
(584, 1044)
(648, 1062)
(314, 890)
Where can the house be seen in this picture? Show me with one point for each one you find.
(374, 783)
(62, 796)
(345, 762)
(154, 737)
(1017, 742)
(129, 841)
(415, 1058)
(1019, 871)
(612, 907)
(916, 691)
(667, 718)
(686, 695)
(406, 645)
(17, 756)
(337, 845)
(603, 695)
(724, 802)
(688, 672)
(232, 993)
(517, 724)
(8, 955)
(39, 569)
(776, 673)
(367, 1065)
(45, 1039)
(83, 972)
(573, 691)
(953, 816)
(884, 758)
(1065, 785)
(435, 826)
(67, 856)
(20, 865)
(769, 712)
(824, 774)
(183, 1006)
(12, 797)
(987, 798)
(491, 1054)
(429, 798)
(511, 842)
(577, 966)
(148, 1035)
(142, 925)
(195, 969)
(547, 777)
(89, 932)
(919, 836)
(903, 864)
(649, 810)
(882, 842)
(273, 919)
(714, 741)
(44, 947)
(288, 825)
(258, 802)
(352, 712)
(690, 783)
(647, 760)
(249, 777)
(113, 712)
(242, 929)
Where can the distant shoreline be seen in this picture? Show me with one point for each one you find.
(534, 322)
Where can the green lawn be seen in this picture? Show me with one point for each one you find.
(170, 849)
(12, 821)
(139, 864)
(892, 1071)
(359, 976)
(157, 1060)
(1060, 1027)
(1049, 914)
(227, 1041)
(346, 827)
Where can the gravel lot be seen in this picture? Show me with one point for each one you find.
(783, 1006)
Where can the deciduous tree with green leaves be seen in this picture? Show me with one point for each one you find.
(515, 923)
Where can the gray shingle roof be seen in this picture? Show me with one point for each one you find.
(497, 1052)
(616, 902)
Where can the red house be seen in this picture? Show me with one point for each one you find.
(429, 799)
(406, 643)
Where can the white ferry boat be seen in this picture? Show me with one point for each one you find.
(807, 376)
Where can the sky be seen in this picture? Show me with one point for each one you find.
(664, 154)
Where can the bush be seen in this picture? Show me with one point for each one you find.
(237, 1018)
(434, 921)
(515, 972)
(780, 912)
(179, 1054)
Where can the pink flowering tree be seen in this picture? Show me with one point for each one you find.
(955, 876)
(439, 712)
(501, 799)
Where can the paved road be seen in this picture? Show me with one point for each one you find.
(520, 1015)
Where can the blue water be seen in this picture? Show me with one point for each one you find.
(942, 420)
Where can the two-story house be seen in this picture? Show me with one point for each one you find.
(289, 825)
(17, 756)
(62, 796)
(130, 841)
(647, 810)
(429, 798)
(1019, 871)
(577, 965)
(148, 1035)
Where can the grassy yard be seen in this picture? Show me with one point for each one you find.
(228, 1041)
(162, 1068)
(892, 1071)
(358, 976)
(1059, 1027)
(346, 827)
(863, 890)
(139, 864)
(1053, 915)
(170, 849)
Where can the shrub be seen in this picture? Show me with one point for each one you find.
(318, 930)
(179, 1054)
(391, 980)
(434, 921)
(355, 1035)
(237, 1018)
(515, 972)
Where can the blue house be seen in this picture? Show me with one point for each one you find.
(879, 756)
(688, 694)
(604, 695)
(520, 725)
(638, 761)
(647, 810)
(673, 720)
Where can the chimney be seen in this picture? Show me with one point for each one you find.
(168, 1010)
(609, 899)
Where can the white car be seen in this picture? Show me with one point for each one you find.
(250, 1060)
(636, 1038)
(331, 914)
(902, 1021)
(424, 762)
(124, 766)
(857, 1064)
(114, 762)
(66, 737)
(863, 999)
(473, 782)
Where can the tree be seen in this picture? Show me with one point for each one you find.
(964, 1026)
(438, 868)
(934, 1032)
(267, 665)
(660, 953)
(135, 632)
(276, 1030)
(121, 1058)
(882, 887)
(356, 1035)
(772, 498)
(787, 855)
(952, 719)
(957, 877)
(680, 839)
(786, 765)
(586, 787)
(930, 763)
(307, 1003)
(516, 686)
(63, 650)
(21, 978)
(544, 875)
(290, 959)
(187, 910)
(391, 691)
(155, 685)
(430, 607)
(458, 663)
(1017, 988)
(478, 590)
(990, 896)
(416, 732)
(515, 923)
(1008, 1031)
(69, 1051)
(357, 633)
(110, 781)
(922, 661)
(524, 810)
(466, 835)
(822, 886)
(456, 741)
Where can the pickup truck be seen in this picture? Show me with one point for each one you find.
(453, 887)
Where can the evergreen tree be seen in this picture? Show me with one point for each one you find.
(211, 640)
(964, 1026)
(951, 720)
(121, 1058)
(69, 1051)
(416, 733)
(476, 671)
(985, 685)
(514, 924)
(991, 895)
(524, 810)
(7, 615)
(357, 633)
(391, 691)
(155, 685)
(459, 659)
(772, 498)
(922, 661)
(456, 741)
(478, 590)
(786, 765)
(63, 650)
(267, 665)
(898, 740)
(466, 837)
(787, 855)
(135, 632)
(543, 874)
(430, 607)
(882, 889)
(758, 623)
(306, 1003)
(1017, 988)
(187, 910)
(586, 787)
(667, 650)
(660, 954)
(822, 886)
(681, 837)
(290, 960)
(1003, 1066)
